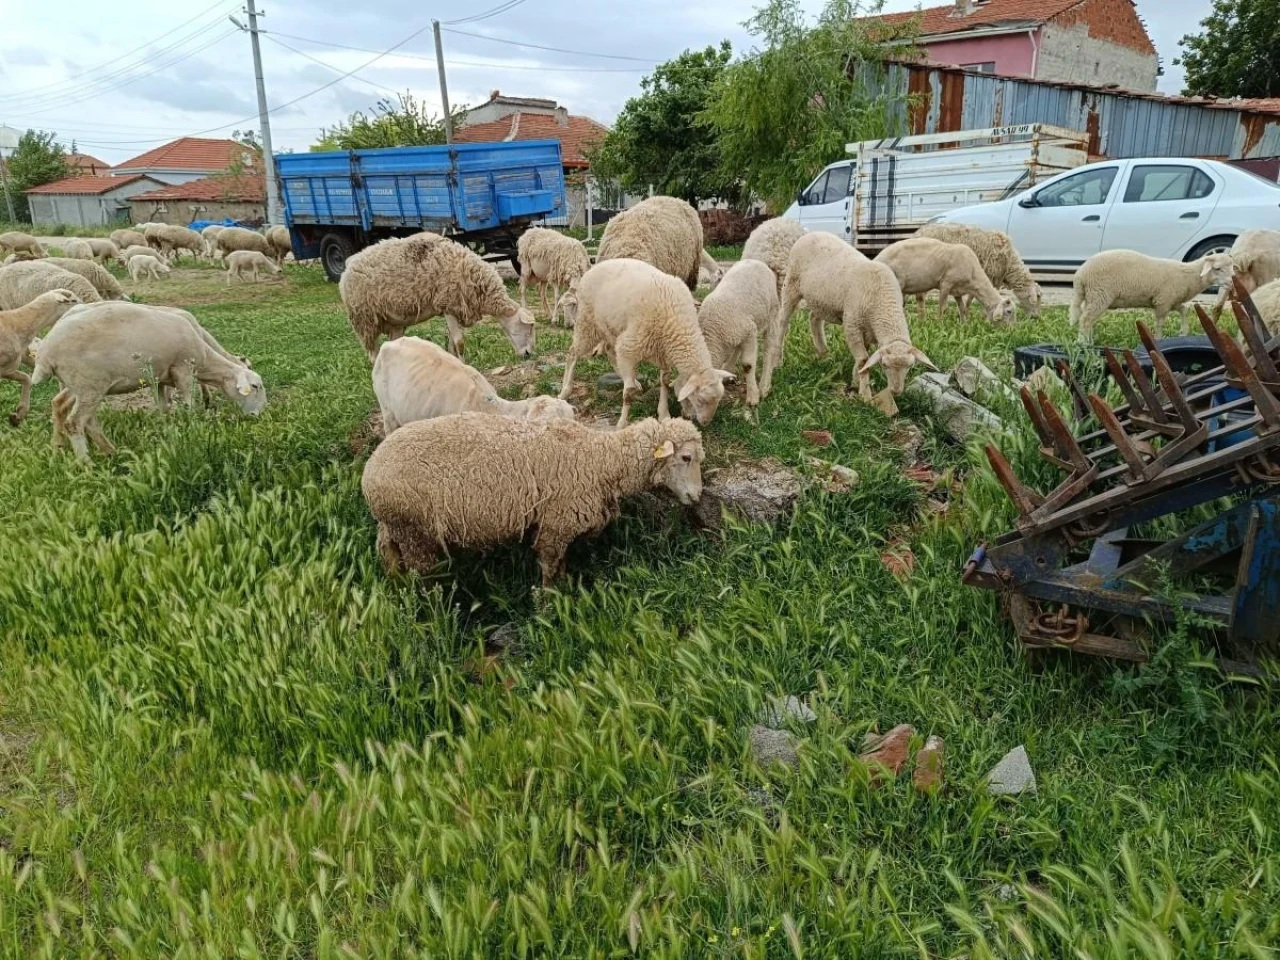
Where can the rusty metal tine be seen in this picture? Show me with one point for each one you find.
(1025, 499)
(1236, 363)
(1037, 421)
(1122, 380)
(1062, 436)
(1121, 439)
(1173, 390)
(1263, 362)
(1153, 406)
(1078, 399)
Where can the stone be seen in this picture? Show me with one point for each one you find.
(1012, 775)
(898, 559)
(884, 402)
(773, 747)
(777, 712)
(504, 637)
(927, 776)
(973, 377)
(819, 438)
(908, 438)
(609, 383)
(759, 492)
(887, 754)
(1046, 380)
(835, 477)
(959, 415)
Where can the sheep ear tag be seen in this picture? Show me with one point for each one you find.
(666, 450)
(245, 389)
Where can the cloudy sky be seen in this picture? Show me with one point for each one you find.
(120, 84)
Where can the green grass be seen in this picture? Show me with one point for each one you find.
(224, 732)
(61, 229)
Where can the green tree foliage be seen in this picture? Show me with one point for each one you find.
(661, 137)
(788, 108)
(1237, 51)
(405, 122)
(37, 159)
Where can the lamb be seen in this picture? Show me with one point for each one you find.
(17, 242)
(20, 283)
(247, 263)
(922, 264)
(108, 287)
(169, 239)
(1256, 255)
(231, 239)
(76, 249)
(112, 348)
(210, 234)
(414, 379)
(548, 257)
(280, 242)
(103, 250)
(1125, 278)
(636, 312)
(663, 232)
(1000, 261)
(475, 481)
(395, 284)
(144, 266)
(771, 244)
(734, 317)
(128, 253)
(18, 330)
(128, 238)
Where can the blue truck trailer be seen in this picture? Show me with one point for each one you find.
(481, 194)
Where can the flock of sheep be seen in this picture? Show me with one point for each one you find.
(445, 425)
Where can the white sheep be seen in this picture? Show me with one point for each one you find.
(1000, 261)
(141, 266)
(74, 248)
(247, 263)
(1256, 256)
(128, 253)
(771, 244)
(395, 284)
(108, 287)
(210, 235)
(637, 313)
(737, 316)
(103, 250)
(474, 481)
(113, 348)
(169, 239)
(18, 330)
(549, 258)
(230, 239)
(128, 238)
(20, 283)
(1267, 300)
(280, 242)
(17, 242)
(1128, 279)
(922, 264)
(414, 379)
(708, 267)
(663, 232)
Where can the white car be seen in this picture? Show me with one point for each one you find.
(1175, 208)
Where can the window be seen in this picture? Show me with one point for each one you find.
(816, 189)
(988, 66)
(1152, 184)
(1085, 189)
(838, 184)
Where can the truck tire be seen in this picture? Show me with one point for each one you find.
(335, 248)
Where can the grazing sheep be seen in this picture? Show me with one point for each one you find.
(637, 313)
(103, 250)
(414, 379)
(76, 249)
(771, 244)
(395, 284)
(141, 266)
(128, 238)
(736, 315)
(280, 242)
(1000, 261)
(714, 272)
(244, 263)
(231, 239)
(663, 232)
(1267, 299)
(1126, 279)
(169, 239)
(113, 348)
(475, 481)
(548, 257)
(108, 287)
(18, 330)
(922, 264)
(17, 242)
(20, 283)
(210, 234)
(128, 253)
(1256, 255)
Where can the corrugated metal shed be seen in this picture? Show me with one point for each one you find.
(1120, 123)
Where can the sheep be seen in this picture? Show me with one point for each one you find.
(395, 284)
(17, 242)
(414, 379)
(112, 348)
(1000, 261)
(707, 265)
(736, 315)
(636, 312)
(210, 234)
(1256, 256)
(280, 242)
(841, 286)
(169, 239)
(663, 232)
(103, 250)
(247, 263)
(108, 287)
(922, 264)
(128, 238)
(76, 249)
(474, 481)
(142, 265)
(1125, 278)
(548, 257)
(1267, 300)
(128, 253)
(18, 330)
(771, 244)
(20, 283)
(231, 239)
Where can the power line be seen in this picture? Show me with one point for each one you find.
(501, 8)
(327, 66)
(534, 46)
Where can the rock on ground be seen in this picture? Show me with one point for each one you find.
(927, 776)
(771, 747)
(777, 712)
(761, 492)
(959, 415)
(887, 754)
(1012, 775)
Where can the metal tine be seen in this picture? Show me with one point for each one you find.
(1154, 407)
(1119, 376)
(1037, 421)
(1121, 439)
(1254, 331)
(1023, 497)
(1063, 439)
(1168, 382)
(1079, 401)
(1236, 363)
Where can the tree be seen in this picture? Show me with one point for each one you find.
(37, 159)
(402, 123)
(1236, 53)
(788, 108)
(661, 137)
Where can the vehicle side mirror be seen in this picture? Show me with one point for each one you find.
(801, 198)
(1028, 203)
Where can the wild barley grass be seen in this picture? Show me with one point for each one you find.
(227, 733)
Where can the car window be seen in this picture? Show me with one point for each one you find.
(1152, 183)
(1085, 189)
(814, 194)
(838, 184)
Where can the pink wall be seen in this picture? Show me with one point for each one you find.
(1013, 53)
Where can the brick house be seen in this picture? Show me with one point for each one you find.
(218, 198)
(1094, 42)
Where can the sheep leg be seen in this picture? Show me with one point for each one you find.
(920, 307)
(59, 416)
(551, 550)
(853, 335)
(1160, 315)
(542, 296)
(229, 273)
(664, 410)
(555, 303)
(567, 386)
(630, 385)
(455, 336)
(777, 334)
(24, 404)
(78, 416)
(184, 379)
(524, 285)
(944, 294)
(99, 439)
(818, 331)
(750, 355)
(389, 550)
(1184, 315)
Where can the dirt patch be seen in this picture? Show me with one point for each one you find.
(195, 286)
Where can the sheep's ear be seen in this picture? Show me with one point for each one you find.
(872, 361)
(687, 389)
(666, 450)
(1206, 271)
(725, 376)
(527, 319)
(919, 356)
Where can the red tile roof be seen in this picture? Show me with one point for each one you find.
(576, 136)
(91, 186)
(87, 164)
(247, 188)
(189, 153)
(989, 13)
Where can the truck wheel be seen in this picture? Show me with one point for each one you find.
(515, 264)
(335, 248)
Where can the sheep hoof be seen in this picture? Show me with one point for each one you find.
(15, 420)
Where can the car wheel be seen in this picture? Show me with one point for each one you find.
(1212, 245)
(334, 251)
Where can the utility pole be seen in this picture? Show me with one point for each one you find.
(264, 118)
(444, 84)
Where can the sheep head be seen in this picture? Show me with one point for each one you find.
(244, 388)
(521, 330)
(1217, 269)
(897, 358)
(679, 460)
(703, 392)
(1006, 311)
